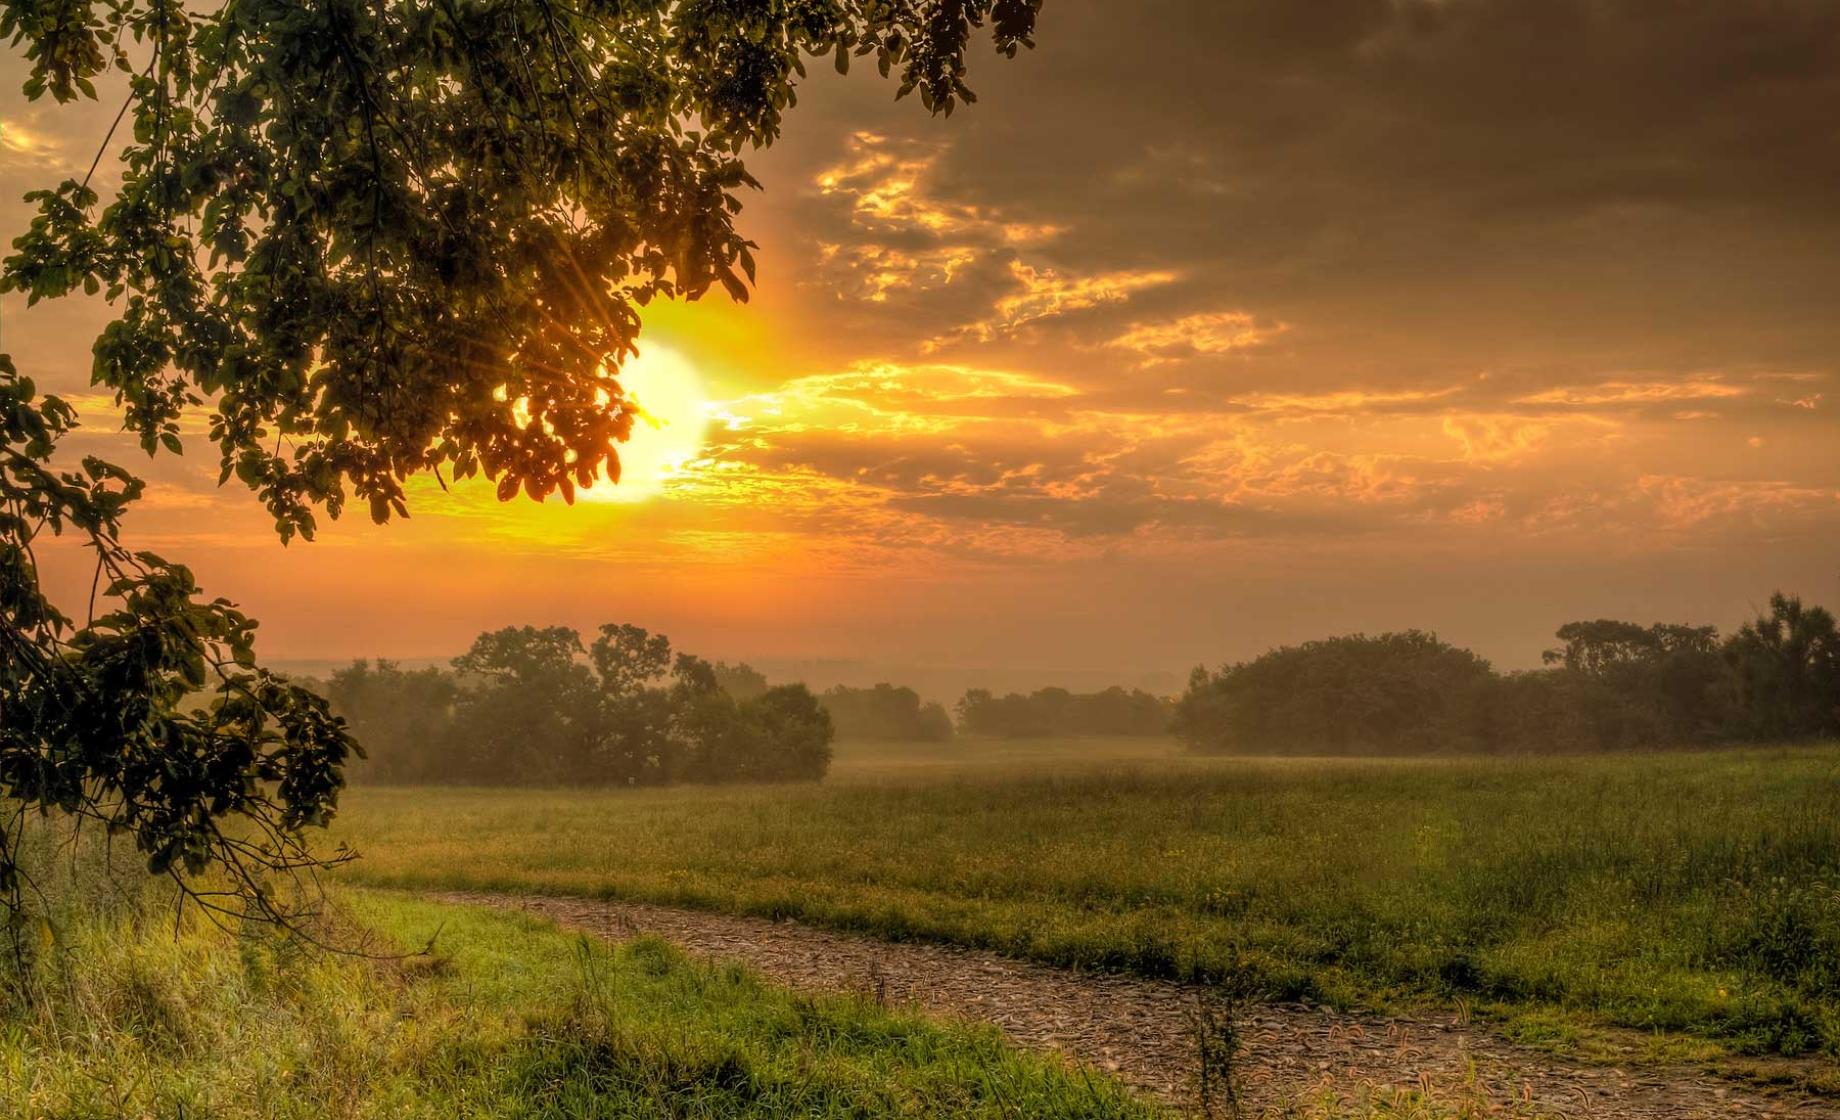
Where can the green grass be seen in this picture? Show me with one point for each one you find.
(511, 1018)
(1692, 894)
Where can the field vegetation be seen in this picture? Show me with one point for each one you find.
(432, 1010)
(123, 1014)
(1692, 894)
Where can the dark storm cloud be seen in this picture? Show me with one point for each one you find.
(1531, 108)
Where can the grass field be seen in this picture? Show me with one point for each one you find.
(511, 1018)
(1692, 894)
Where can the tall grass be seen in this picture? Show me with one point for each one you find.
(1695, 893)
(129, 1016)
(125, 1016)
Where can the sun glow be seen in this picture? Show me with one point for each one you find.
(668, 432)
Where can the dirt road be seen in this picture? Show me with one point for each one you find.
(1142, 1030)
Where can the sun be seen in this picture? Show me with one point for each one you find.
(667, 433)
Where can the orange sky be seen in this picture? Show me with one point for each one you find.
(1210, 326)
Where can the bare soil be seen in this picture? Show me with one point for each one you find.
(1144, 1033)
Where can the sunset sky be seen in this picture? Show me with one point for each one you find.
(1211, 326)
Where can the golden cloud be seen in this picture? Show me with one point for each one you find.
(1636, 392)
(23, 144)
(1342, 402)
(1682, 503)
(886, 184)
(1495, 439)
(1214, 332)
(1043, 293)
(874, 272)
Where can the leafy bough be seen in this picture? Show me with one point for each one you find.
(367, 239)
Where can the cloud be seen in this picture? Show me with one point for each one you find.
(893, 232)
(899, 236)
(953, 459)
(1685, 504)
(1232, 278)
(1495, 439)
(25, 145)
(1042, 293)
(885, 183)
(1352, 402)
(1636, 392)
(1210, 332)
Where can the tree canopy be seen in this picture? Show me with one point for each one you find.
(530, 706)
(1611, 685)
(886, 711)
(1058, 712)
(365, 240)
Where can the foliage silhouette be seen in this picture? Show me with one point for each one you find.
(743, 681)
(1058, 712)
(527, 706)
(1610, 685)
(887, 712)
(1786, 666)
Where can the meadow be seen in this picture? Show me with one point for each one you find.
(1693, 897)
(507, 1017)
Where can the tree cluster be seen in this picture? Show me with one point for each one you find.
(1610, 685)
(533, 706)
(743, 682)
(886, 712)
(1058, 712)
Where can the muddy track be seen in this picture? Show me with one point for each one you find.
(1141, 1030)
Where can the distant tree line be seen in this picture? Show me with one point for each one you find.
(896, 713)
(887, 712)
(1058, 712)
(1610, 685)
(533, 706)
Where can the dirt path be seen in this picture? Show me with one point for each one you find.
(1140, 1029)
